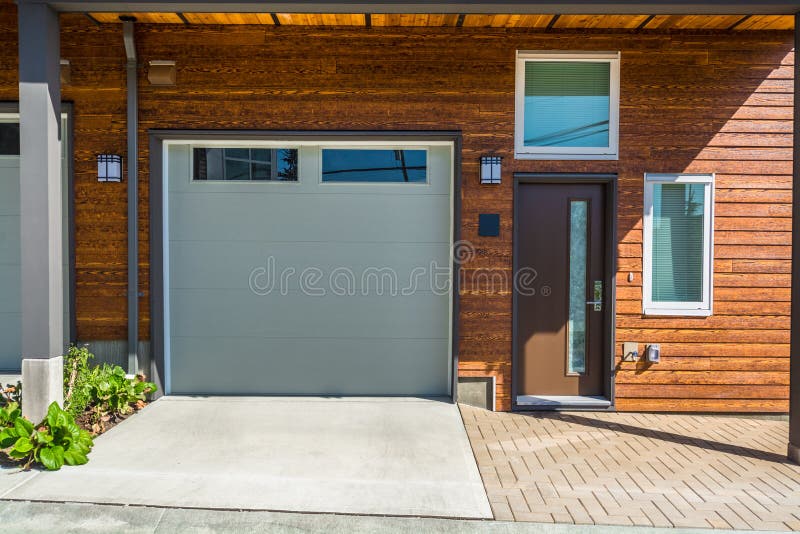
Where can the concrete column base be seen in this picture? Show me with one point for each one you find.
(794, 453)
(42, 383)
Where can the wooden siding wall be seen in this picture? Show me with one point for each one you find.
(703, 102)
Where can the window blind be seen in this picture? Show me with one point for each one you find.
(677, 242)
(567, 103)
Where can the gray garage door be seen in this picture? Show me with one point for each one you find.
(308, 270)
(10, 253)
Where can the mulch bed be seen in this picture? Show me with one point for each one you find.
(86, 420)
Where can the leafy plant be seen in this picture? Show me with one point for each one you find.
(77, 375)
(112, 392)
(55, 441)
(9, 414)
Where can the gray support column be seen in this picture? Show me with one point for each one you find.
(41, 201)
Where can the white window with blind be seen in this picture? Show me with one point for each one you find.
(567, 105)
(678, 244)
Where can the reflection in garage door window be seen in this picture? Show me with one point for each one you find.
(374, 165)
(245, 164)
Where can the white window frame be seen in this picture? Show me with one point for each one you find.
(702, 308)
(610, 152)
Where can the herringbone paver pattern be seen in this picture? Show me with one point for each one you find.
(636, 469)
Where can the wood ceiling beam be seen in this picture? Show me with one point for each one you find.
(738, 22)
(645, 22)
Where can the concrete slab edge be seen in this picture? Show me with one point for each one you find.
(35, 517)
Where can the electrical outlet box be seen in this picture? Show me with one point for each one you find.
(630, 351)
(654, 353)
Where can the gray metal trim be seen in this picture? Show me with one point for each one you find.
(157, 263)
(67, 107)
(456, 288)
(133, 198)
(610, 181)
(157, 137)
(582, 7)
(794, 341)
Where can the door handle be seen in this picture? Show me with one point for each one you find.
(598, 296)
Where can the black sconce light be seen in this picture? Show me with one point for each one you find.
(109, 168)
(490, 169)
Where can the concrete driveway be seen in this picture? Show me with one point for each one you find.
(393, 456)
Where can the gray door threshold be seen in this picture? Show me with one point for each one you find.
(553, 401)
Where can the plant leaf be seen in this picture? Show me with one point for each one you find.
(23, 445)
(52, 458)
(7, 438)
(23, 426)
(75, 457)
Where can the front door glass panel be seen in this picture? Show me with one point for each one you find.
(578, 257)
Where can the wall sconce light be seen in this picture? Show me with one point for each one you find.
(161, 72)
(490, 169)
(109, 168)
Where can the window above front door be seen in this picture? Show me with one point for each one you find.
(567, 105)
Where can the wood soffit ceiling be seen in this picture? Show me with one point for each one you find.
(536, 22)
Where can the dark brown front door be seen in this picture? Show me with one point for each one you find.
(560, 289)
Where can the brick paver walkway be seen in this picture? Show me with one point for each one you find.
(636, 469)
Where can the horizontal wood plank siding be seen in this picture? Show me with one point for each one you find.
(690, 101)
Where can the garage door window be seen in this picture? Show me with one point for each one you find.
(9, 139)
(374, 165)
(245, 164)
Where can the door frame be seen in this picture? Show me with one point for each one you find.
(610, 249)
(158, 141)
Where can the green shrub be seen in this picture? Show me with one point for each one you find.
(52, 443)
(77, 374)
(103, 389)
(111, 392)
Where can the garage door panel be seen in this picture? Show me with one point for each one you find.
(309, 366)
(320, 218)
(10, 341)
(9, 186)
(237, 312)
(9, 240)
(230, 264)
(10, 290)
(232, 333)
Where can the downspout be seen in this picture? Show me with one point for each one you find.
(133, 195)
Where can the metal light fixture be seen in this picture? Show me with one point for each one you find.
(490, 169)
(109, 168)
